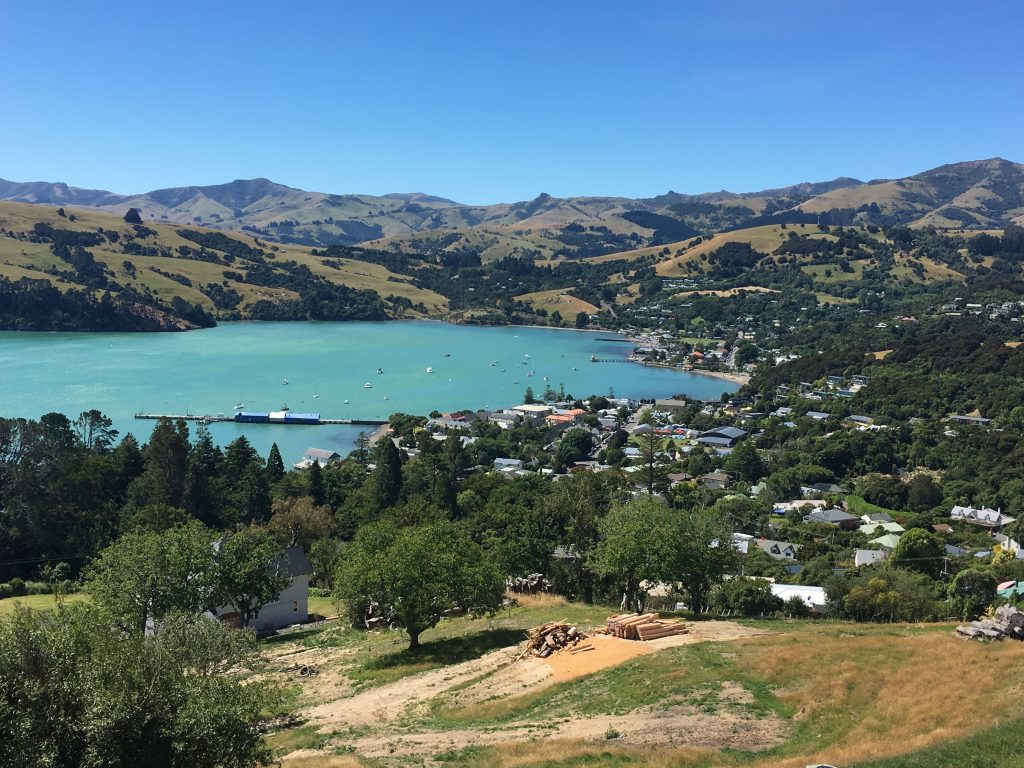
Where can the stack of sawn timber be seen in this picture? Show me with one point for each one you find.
(554, 636)
(643, 626)
(1008, 622)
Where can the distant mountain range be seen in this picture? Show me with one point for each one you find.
(976, 194)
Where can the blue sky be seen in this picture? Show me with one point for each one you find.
(489, 102)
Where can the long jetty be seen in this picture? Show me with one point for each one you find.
(212, 418)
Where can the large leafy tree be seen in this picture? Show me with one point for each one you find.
(637, 548)
(644, 542)
(415, 574)
(921, 551)
(76, 689)
(250, 571)
(145, 575)
(703, 554)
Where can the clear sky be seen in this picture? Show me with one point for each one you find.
(487, 102)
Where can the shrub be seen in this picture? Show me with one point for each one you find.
(749, 597)
(37, 588)
(16, 587)
(796, 607)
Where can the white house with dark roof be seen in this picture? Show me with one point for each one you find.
(292, 606)
(320, 456)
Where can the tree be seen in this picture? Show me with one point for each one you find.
(921, 551)
(145, 575)
(416, 574)
(576, 444)
(528, 396)
(77, 690)
(387, 475)
(132, 216)
(315, 478)
(275, 465)
(636, 547)
(748, 597)
(923, 493)
(703, 554)
(745, 463)
(250, 571)
(299, 522)
(95, 431)
(582, 319)
(166, 463)
(970, 592)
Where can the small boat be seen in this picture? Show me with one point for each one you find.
(429, 369)
(547, 378)
(346, 402)
(367, 385)
(315, 396)
(284, 381)
(284, 407)
(386, 397)
(515, 381)
(447, 354)
(239, 406)
(574, 367)
(380, 370)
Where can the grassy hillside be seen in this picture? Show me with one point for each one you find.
(164, 261)
(770, 693)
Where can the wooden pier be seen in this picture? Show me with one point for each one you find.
(212, 418)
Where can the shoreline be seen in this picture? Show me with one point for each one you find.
(736, 378)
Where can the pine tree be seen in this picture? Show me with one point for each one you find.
(275, 465)
(387, 477)
(316, 483)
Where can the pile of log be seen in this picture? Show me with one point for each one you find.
(643, 626)
(553, 637)
(1008, 622)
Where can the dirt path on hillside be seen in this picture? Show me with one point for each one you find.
(386, 703)
(499, 675)
(676, 726)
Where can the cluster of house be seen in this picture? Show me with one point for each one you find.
(1006, 310)
(835, 386)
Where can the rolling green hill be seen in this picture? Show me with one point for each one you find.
(974, 195)
(170, 272)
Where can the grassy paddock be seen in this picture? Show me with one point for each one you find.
(37, 602)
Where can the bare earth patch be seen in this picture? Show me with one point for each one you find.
(674, 727)
(497, 675)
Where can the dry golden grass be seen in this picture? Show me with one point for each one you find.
(558, 300)
(322, 761)
(540, 600)
(881, 354)
(883, 696)
(561, 751)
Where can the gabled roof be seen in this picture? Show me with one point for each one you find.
(295, 562)
(833, 516)
(732, 433)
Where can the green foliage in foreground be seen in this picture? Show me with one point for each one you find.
(76, 690)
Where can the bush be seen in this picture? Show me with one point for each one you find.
(38, 588)
(796, 607)
(16, 587)
(319, 592)
(749, 597)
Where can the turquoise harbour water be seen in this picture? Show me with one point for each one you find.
(210, 371)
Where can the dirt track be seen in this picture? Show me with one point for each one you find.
(497, 675)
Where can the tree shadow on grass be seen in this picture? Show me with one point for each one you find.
(451, 650)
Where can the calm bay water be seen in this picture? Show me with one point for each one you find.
(211, 371)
